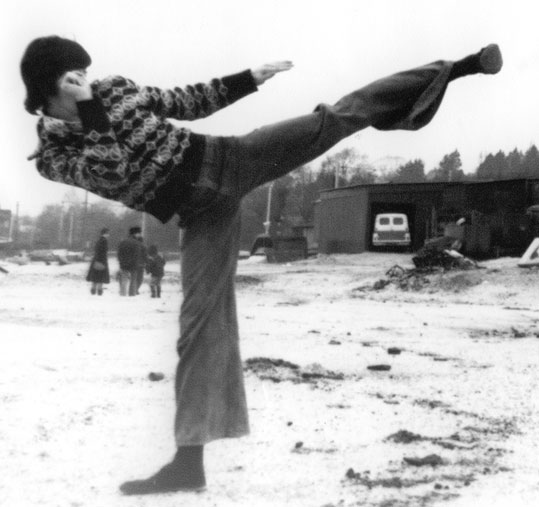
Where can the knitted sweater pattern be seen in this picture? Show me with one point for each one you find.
(124, 149)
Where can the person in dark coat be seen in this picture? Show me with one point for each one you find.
(155, 266)
(129, 252)
(98, 273)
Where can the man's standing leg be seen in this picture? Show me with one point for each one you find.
(210, 393)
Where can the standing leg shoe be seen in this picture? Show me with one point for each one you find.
(184, 473)
(490, 59)
(167, 480)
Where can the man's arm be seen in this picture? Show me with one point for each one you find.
(201, 100)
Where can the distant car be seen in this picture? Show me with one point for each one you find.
(391, 229)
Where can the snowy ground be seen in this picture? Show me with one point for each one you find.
(80, 414)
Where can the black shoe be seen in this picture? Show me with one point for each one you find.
(490, 59)
(168, 480)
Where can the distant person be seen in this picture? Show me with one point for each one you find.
(98, 273)
(128, 260)
(155, 267)
(141, 263)
(114, 138)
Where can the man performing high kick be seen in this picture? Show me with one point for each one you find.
(113, 138)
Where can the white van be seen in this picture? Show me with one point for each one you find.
(391, 229)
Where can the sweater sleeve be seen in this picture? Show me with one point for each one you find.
(200, 100)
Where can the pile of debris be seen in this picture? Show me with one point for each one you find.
(426, 264)
(440, 254)
(279, 370)
(430, 260)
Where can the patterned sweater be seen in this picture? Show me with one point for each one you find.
(124, 149)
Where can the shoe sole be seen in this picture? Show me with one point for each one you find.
(491, 59)
(158, 491)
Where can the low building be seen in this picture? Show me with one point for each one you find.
(495, 212)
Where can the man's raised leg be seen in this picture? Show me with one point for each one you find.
(405, 100)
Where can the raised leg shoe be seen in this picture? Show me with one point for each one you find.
(490, 59)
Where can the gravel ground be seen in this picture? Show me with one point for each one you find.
(449, 416)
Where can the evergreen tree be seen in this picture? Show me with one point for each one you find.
(530, 163)
(411, 172)
(514, 163)
(450, 169)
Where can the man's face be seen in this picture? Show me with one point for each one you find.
(75, 77)
(68, 85)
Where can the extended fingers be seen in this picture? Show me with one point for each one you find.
(268, 70)
(280, 66)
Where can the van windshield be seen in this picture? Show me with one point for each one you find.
(383, 221)
(398, 221)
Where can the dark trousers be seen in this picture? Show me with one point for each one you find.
(210, 392)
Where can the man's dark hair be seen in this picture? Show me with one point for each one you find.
(42, 64)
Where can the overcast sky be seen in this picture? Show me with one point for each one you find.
(336, 46)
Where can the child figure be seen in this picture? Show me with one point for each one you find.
(155, 266)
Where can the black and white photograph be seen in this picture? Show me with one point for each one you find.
(271, 253)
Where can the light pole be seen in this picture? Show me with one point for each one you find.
(84, 241)
(143, 224)
(267, 223)
(71, 223)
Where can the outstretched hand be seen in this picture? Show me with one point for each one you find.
(262, 74)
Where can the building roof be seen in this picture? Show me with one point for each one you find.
(428, 185)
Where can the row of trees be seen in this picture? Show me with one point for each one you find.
(516, 164)
(77, 225)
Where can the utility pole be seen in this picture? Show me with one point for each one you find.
(71, 227)
(267, 223)
(61, 225)
(143, 224)
(71, 224)
(84, 241)
(339, 168)
(14, 225)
